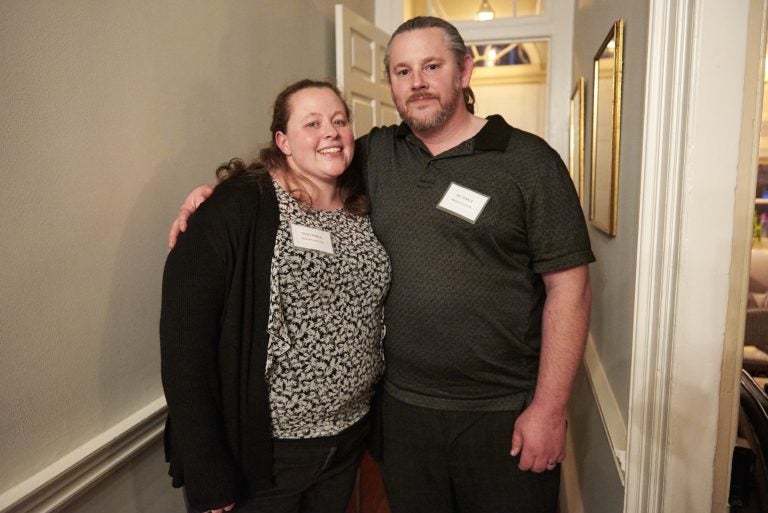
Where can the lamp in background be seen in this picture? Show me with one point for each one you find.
(485, 12)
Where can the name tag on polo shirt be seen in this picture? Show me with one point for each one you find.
(305, 237)
(463, 202)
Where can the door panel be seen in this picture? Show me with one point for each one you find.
(360, 47)
(360, 75)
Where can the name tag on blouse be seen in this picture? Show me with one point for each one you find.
(305, 237)
(463, 202)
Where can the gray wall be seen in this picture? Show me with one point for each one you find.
(596, 475)
(613, 275)
(112, 111)
(140, 485)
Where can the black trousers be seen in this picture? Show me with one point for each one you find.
(437, 461)
(311, 475)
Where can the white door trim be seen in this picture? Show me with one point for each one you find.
(691, 139)
(556, 27)
(664, 150)
(744, 211)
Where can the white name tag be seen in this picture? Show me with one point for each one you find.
(305, 237)
(462, 202)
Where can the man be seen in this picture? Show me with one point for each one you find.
(489, 304)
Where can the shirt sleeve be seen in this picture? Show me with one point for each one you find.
(557, 232)
(194, 291)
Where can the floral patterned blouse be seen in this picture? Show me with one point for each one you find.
(326, 322)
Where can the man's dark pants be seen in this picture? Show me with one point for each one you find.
(437, 461)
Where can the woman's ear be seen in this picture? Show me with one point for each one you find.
(282, 142)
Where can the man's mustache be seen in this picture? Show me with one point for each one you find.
(421, 96)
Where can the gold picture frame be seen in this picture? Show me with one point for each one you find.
(606, 131)
(576, 138)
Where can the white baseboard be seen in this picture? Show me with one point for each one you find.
(65, 479)
(570, 491)
(610, 413)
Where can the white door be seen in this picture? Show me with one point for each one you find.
(360, 47)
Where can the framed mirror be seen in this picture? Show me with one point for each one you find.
(606, 131)
(576, 138)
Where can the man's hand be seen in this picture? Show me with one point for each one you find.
(539, 434)
(190, 204)
(539, 438)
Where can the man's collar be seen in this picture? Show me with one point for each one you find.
(403, 130)
(493, 136)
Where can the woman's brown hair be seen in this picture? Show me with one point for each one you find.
(350, 183)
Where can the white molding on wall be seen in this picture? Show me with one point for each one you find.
(570, 492)
(610, 413)
(66, 478)
(664, 149)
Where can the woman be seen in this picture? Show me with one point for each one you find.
(271, 322)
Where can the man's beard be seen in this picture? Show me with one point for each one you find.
(435, 119)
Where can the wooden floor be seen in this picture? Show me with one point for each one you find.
(368, 495)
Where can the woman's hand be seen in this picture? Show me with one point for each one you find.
(228, 507)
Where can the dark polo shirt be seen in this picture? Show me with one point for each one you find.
(464, 309)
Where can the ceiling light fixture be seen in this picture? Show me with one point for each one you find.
(485, 12)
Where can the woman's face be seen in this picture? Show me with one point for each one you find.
(318, 141)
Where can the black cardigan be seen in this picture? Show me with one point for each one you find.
(213, 339)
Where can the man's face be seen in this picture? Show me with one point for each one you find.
(425, 78)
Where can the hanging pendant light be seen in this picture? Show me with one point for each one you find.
(485, 12)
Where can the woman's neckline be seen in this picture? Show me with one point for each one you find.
(304, 206)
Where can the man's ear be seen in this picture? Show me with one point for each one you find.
(282, 142)
(466, 71)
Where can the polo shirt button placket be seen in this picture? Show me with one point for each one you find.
(427, 179)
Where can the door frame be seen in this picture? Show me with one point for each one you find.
(752, 107)
(690, 276)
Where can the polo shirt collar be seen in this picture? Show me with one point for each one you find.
(493, 136)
